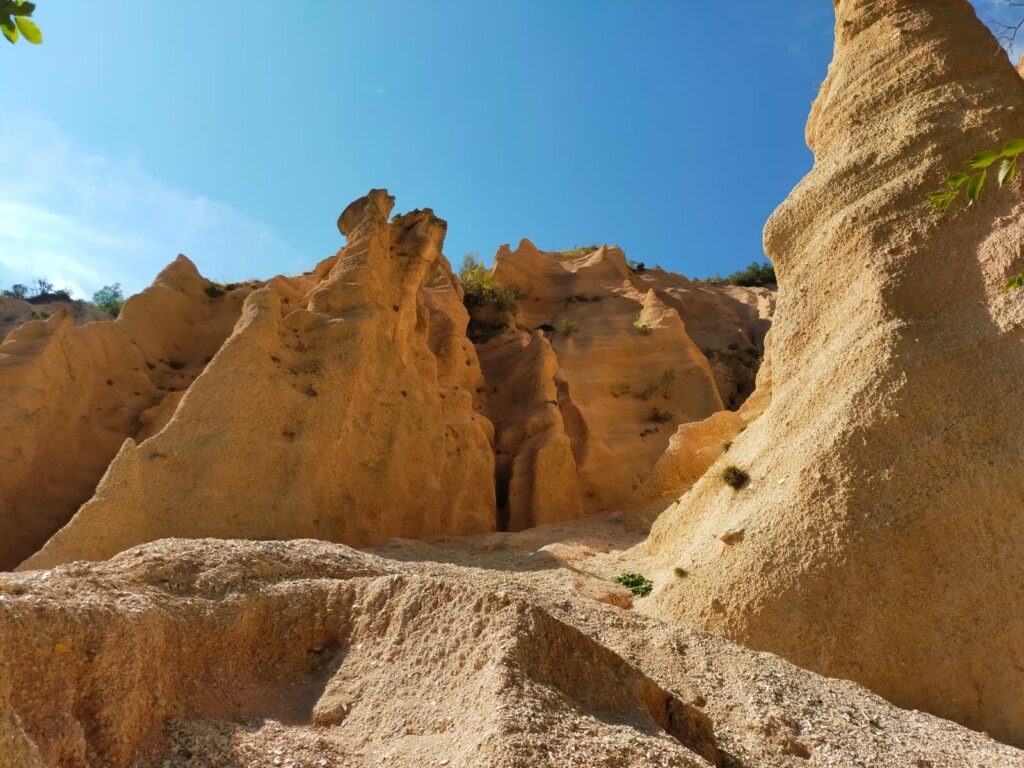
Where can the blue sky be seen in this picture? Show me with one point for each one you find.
(238, 133)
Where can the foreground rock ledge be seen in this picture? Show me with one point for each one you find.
(235, 653)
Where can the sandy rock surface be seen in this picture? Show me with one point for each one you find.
(883, 537)
(460, 653)
(72, 394)
(15, 312)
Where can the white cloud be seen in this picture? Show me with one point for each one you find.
(83, 220)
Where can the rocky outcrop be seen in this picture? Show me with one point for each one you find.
(342, 407)
(693, 449)
(15, 312)
(882, 538)
(625, 369)
(727, 322)
(73, 393)
(230, 653)
(535, 470)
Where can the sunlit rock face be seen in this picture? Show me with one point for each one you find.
(73, 388)
(343, 406)
(882, 536)
(625, 366)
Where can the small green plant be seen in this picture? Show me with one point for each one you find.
(734, 477)
(680, 571)
(14, 19)
(216, 290)
(659, 416)
(662, 384)
(109, 299)
(974, 182)
(480, 286)
(1016, 282)
(641, 327)
(637, 266)
(568, 327)
(636, 583)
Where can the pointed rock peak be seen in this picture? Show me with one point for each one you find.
(180, 273)
(181, 266)
(607, 255)
(372, 210)
(527, 248)
(526, 258)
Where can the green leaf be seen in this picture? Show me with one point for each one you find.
(14, 8)
(942, 200)
(1007, 171)
(29, 30)
(974, 187)
(957, 180)
(1016, 282)
(1013, 148)
(10, 31)
(983, 159)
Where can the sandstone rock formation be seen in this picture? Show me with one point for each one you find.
(728, 322)
(229, 653)
(342, 407)
(882, 532)
(72, 393)
(535, 470)
(15, 312)
(691, 451)
(625, 370)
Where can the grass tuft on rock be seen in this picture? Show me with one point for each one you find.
(734, 477)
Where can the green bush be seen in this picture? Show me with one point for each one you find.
(734, 477)
(755, 274)
(636, 583)
(109, 299)
(41, 290)
(480, 287)
(568, 327)
(641, 327)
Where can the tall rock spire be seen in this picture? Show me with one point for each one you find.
(883, 525)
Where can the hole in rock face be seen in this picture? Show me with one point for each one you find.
(502, 478)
